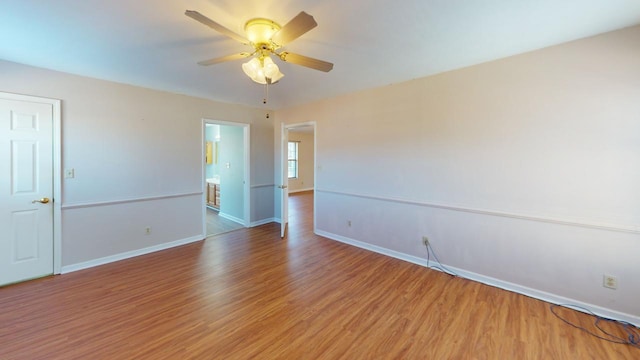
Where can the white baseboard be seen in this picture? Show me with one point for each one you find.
(264, 221)
(505, 285)
(232, 218)
(129, 254)
(299, 190)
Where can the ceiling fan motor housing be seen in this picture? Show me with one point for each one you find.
(260, 31)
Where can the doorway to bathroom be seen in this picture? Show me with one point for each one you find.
(226, 176)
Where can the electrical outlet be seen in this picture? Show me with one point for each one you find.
(349, 223)
(425, 241)
(147, 230)
(609, 281)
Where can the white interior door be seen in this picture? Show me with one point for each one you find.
(284, 186)
(26, 190)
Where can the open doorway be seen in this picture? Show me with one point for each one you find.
(226, 176)
(299, 171)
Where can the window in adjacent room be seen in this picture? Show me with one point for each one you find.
(293, 159)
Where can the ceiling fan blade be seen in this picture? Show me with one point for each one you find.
(292, 30)
(215, 26)
(306, 61)
(241, 55)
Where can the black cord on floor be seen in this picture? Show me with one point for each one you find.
(439, 266)
(633, 333)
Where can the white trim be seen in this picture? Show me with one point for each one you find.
(284, 179)
(300, 190)
(232, 218)
(264, 221)
(129, 254)
(247, 175)
(581, 223)
(57, 187)
(315, 172)
(505, 285)
(203, 175)
(125, 201)
(57, 169)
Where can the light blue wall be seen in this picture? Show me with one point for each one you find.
(211, 132)
(231, 165)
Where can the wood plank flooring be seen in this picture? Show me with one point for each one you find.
(217, 224)
(248, 294)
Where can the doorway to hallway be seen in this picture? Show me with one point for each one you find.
(298, 168)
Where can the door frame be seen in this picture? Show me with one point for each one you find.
(246, 130)
(285, 180)
(57, 173)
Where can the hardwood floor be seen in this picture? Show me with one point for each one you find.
(216, 224)
(248, 294)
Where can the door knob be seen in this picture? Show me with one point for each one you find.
(42, 201)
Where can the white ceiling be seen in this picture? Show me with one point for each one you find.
(372, 43)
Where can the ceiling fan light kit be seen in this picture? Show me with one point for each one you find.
(262, 70)
(266, 37)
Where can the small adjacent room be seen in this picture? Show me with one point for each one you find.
(224, 149)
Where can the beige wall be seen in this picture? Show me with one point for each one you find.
(305, 162)
(523, 172)
(128, 144)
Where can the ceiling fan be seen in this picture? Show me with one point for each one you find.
(266, 38)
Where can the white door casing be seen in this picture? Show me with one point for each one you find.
(284, 207)
(29, 158)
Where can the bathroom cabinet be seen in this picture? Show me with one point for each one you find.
(213, 195)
